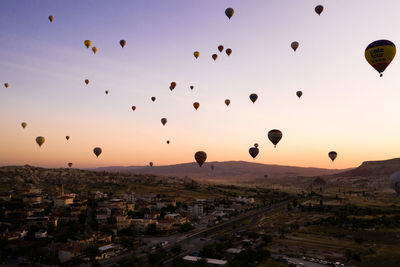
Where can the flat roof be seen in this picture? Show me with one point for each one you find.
(210, 261)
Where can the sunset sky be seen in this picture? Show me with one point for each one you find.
(345, 105)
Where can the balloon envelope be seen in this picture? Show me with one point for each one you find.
(6, 85)
(200, 157)
(220, 48)
(294, 45)
(214, 56)
(133, 108)
(319, 9)
(299, 93)
(87, 81)
(379, 54)
(196, 105)
(87, 43)
(228, 51)
(40, 140)
(70, 164)
(196, 54)
(51, 18)
(122, 43)
(332, 155)
(163, 121)
(24, 124)
(253, 152)
(153, 98)
(151, 164)
(227, 102)
(253, 97)
(97, 151)
(275, 136)
(191, 87)
(229, 12)
(67, 137)
(94, 49)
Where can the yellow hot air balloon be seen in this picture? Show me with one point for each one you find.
(196, 54)
(88, 43)
(379, 54)
(227, 102)
(200, 157)
(294, 45)
(95, 49)
(97, 151)
(51, 18)
(24, 124)
(196, 105)
(40, 140)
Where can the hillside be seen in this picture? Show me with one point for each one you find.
(230, 171)
(374, 168)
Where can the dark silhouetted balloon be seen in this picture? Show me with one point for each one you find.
(275, 136)
(172, 86)
(229, 12)
(294, 45)
(332, 155)
(87, 81)
(379, 54)
(227, 102)
(214, 56)
(196, 105)
(133, 108)
(163, 121)
(24, 124)
(122, 43)
(228, 51)
(299, 93)
(97, 151)
(153, 98)
(70, 164)
(51, 18)
(40, 140)
(253, 97)
(200, 157)
(196, 54)
(253, 152)
(191, 87)
(151, 164)
(319, 9)
(67, 137)
(220, 48)
(106, 92)
(6, 85)
(94, 49)
(256, 145)
(168, 142)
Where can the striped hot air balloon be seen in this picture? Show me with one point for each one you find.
(200, 157)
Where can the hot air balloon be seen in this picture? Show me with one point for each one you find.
(172, 86)
(395, 182)
(332, 155)
(67, 137)
(256, 145)
(253, 97)
(122, 43)
(212, 167)
(229, 12)
(253, 152)
(196, 54)
(51, 18)
(87, 43)
(196, 105)
(266, 176)
(163, 121)
(168, 142)
(87, 81)
(24, 124)
(153, 98)
(379, 54)
(227, 102)
(106, 92)
(133, 108)
(228, 51)
(151, 164)
(299, 93)
(97, 151)
(214, 56)
(6, 85)
(40, 140)
(275, 136)
(200, 157)
(319, 9)
(94, 49)
(191, 87)
(70, 164)
(294, 45)
(220, 48)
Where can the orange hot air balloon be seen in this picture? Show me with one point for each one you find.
(294, 45)
(6, 85)
(87, 43)
(200, 157)
(87, 81)
(214, 56)
(220, 48)
(319, 9)
(163, 121)
(228, 51)
(253, 97)
(275, 136)
(51, 18)
(122, 43)
(153, 98)
(229, 12)
(95, 49)
(227, 102)
(40, 140)
(332, 155)
(133, 108)
(196, 105)
(97, 151)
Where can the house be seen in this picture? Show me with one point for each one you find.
(141, 224)
(152, 215)
(164, 225)
(123, 222)
(176, 217)
(197, 210)
(63, 201)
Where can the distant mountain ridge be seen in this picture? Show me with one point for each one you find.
(225, 171)
(373, 168)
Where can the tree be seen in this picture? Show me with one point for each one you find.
(186, 227)
(156, 257)
(93, 251)
(151, 229)
(178, 262)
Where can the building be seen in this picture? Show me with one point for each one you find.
(176, 217)
(123, 222)
(41, 222)
(212, 262)
(142, 224)
(197, 210)
(164, 225)
(63, 201)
